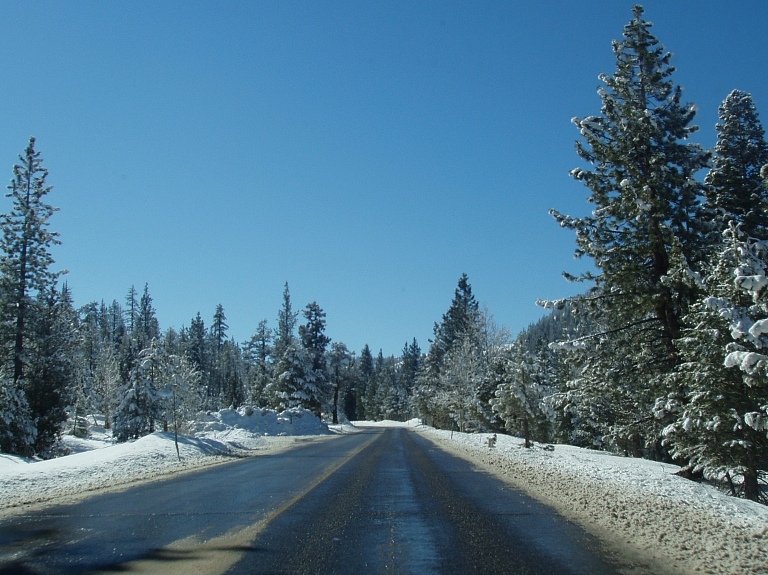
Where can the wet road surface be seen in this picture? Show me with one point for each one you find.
(381, 501)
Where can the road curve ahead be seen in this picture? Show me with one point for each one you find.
(381, 501)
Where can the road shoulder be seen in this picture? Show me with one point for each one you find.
(652, 534)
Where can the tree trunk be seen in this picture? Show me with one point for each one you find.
(336, 405)
(527, 433)
(751, 486)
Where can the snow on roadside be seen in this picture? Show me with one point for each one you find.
(683, 525)
(97, 463)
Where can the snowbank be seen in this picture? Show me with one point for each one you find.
(97, 463)
(635, 504)
(247, 428)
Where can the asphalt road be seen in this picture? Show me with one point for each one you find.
(381, 501)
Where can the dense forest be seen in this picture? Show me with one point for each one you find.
(661, 356)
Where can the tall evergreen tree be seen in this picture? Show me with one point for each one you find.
(258, 356)
(720, 418)
(293, 379)
(459, 328)
(646, 216)
(196, 349)
(286, 324)
(25, 276)
(115, 325)
(523, 383)
(52, 369)
(411, 363)
(219, 328)
(233, 374)
(365, 371)
(147, 327)
(26, 260)
(315, 342)
(132, 309)
(460, 320)
(141, 406)
(735, 190)
(339, 362)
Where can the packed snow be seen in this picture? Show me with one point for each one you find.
(657, 520)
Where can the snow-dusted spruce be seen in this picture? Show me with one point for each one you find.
(523, 384)
(646, 199)
(52, 366)
(711, 402)
(257, 354)
(299, 374)
(460, 377)
(365, 372)
(735, 189)
(98, 377)
(163, 391)
(26, 283)
(277, 391)
(340, 362)
(452, 388)
(314, 341)
(722, 395)
(141, 406)
(442, 394)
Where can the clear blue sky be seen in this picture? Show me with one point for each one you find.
(368, 153)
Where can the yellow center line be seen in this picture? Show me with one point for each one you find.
(191, 556)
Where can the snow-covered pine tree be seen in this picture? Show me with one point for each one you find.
(105, 376)
(720, 407)
(25, 273)
(147, 327)
(706, 400)
(234, 374)
(286, 324)
(141, 405)
(182, 394)
(217, 370)
(340, 362)
(53, 366)
(17, 427)
(494, 341)
(735, 190)
(219, 328)
(411, 362)
(258, 357)
(115, 325)
(284, 351)
(196, 348)
(293, 384)
(315, 342)
(523, 383)
(365, 371)
(383, 391)
(373, 394)
(646, 207)
(459, 379)
(128, 352)
(460, 319)
(131, 309)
